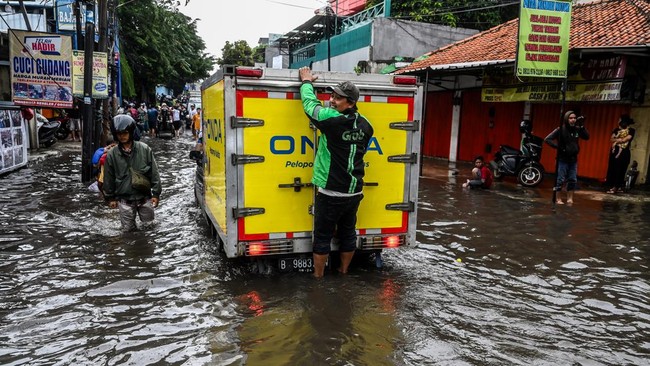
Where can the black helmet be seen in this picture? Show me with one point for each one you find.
(526, 126)
(123, 122)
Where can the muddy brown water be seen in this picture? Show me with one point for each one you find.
(499, 277)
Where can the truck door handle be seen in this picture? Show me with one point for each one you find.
(296, 185)
(371, 184)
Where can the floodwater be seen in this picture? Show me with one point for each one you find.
(499, 277)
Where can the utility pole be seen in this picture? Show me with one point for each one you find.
(101, 127)
(24, 11)
(88, 120)
(77, 16)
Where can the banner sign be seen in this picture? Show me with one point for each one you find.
(41, 70)
(100, 74)
(543, 44)
(65, 18)
(597, 79)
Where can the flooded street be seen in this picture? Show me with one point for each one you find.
(499, 277)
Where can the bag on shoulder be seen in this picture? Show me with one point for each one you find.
(139, 181)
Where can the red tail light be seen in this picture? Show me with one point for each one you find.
(255, 249)
(405, 80)
(255, 73)
(392, 241)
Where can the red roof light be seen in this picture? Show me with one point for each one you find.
(255, 73)
(405, 80)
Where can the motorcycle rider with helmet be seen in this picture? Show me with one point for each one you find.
(131, 180)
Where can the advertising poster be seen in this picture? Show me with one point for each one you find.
(100, 74)
(595, 79)
(543, 44)
(41, 70)
(13, 140)
(65, 18)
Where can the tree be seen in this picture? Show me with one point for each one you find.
(161, 46)
(238, 53)
(475, 14)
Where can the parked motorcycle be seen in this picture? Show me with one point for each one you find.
(47, 130)
(64, 130)
(523, 164)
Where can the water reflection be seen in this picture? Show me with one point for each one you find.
(499, 277)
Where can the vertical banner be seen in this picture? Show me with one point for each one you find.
(543, 44)
(100, 74)
(41, 70)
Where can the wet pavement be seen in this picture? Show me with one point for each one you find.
(499, 277)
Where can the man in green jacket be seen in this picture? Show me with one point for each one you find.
(131, 180)
(338, 168)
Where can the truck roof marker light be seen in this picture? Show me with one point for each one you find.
(405, 80)
(249, 72)
(255, 248)
(392, 241)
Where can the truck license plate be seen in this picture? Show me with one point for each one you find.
(296, 265)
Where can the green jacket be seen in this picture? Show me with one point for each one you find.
(339, 164)
(117, 177)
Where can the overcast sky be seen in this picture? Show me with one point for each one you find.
(249, 20)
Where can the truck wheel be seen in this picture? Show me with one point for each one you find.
(531, 175)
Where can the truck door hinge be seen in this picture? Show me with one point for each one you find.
(247, 211)
(402, 206)
(296, 185)
(237, 122)
(246, 159)
(406, 125)
(406, 158)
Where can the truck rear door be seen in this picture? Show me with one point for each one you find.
(277, 175)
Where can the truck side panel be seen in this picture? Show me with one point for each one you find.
(215, 152)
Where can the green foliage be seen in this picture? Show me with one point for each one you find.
(238, 53)
(258, 53)
(161, 45)
(475, 14)
(128, 88)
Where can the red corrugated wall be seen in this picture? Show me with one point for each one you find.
(485, 126)
(600, 120)
(347, 7)
(437, 126)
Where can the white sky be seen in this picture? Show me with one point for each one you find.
(249, 20)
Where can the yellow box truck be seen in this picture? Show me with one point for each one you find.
(254, 183)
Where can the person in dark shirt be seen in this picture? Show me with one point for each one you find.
(620, 155)
(338, 168)
(565, 140)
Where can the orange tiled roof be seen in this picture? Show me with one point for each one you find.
(607, 23)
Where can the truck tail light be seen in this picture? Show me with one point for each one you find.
(392, 241)
(405, 80)
(249, 72)
(381, 242)
(256, 249)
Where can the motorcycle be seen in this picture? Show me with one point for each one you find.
(64, 130)
(523, 164)
(47, 130)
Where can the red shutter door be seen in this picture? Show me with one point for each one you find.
(437, 130)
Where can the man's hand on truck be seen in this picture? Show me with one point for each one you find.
(306, 75)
